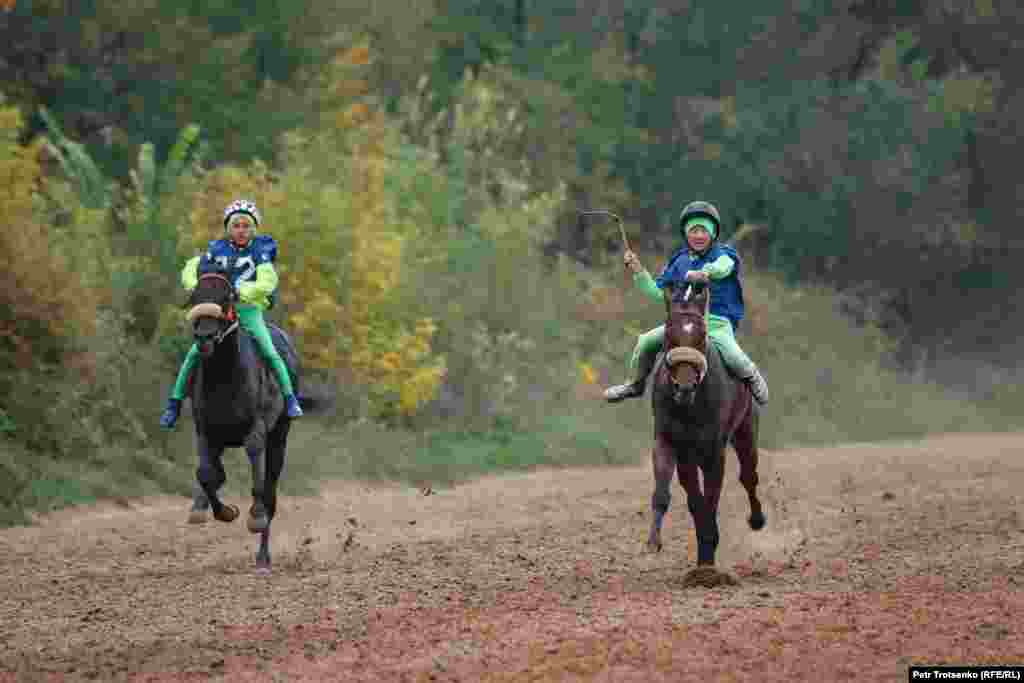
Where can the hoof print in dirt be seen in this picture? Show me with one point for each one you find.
(198, 517)
(708, 577)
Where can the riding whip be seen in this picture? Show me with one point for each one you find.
(622, 229)
(603, 212)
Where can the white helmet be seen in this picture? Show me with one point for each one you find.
(242, 206)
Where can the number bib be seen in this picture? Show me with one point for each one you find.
(241, 264)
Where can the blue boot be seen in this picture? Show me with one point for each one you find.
(170, 415)
(294, 410)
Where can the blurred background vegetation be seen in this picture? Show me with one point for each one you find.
(422, 167)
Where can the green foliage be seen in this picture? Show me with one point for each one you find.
(93, 187)
(421, 167)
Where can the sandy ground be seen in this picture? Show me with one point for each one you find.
(874, 557)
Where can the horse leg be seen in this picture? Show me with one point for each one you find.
(255, 448)
(703, 521)
(713, 469)
(259, 519)
(200, 505)
(745, 443)
(664, 459)
(276, 443)
(211, 477)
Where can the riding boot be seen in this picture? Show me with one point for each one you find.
(170, 414)
(758, 387)
(644, 365)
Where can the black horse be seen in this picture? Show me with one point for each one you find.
(699, 407)
(236, 402)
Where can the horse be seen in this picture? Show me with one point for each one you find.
(699, 407)
(236, 403)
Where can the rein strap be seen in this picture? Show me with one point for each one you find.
(225, 332)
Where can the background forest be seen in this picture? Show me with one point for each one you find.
(423, 167)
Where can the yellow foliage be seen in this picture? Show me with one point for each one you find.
(341, 253)
(984, 9)
(711, 151)
(221, 187)
(384, 354)
(358, 55)
(971, 94)
(354, 115)
(43, 303)
(729, 115)
(587, 373)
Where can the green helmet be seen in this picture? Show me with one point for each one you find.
(704, 209)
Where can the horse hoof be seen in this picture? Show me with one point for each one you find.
(757, 521)
(263, 569)
(198, 516)
(257, 524)
(228, 513)
(650, 548)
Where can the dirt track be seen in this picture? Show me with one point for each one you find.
(874, 557)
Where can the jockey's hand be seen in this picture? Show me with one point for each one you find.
(697, 276)
(632, 262)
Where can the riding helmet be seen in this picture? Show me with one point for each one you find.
(242, 206)
(701, 208)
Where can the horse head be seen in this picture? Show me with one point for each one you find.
(686, 339)
(212, 313)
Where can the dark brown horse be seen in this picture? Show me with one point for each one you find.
(699, 407)
(236, 403)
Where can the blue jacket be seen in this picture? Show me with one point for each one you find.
(726, 294)
(243, 262)
(253, 264)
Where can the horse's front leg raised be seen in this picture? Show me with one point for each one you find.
(664, 460)
(745, 442)
(211, 477)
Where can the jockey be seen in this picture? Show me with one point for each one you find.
(249, 260)
(701, 259)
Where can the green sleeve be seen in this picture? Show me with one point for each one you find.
(648, 286)
(257, 291)
(190, 274)
(719, 268)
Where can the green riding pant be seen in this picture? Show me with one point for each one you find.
(251, 320)
(721, 335)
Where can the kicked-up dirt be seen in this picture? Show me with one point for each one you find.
(875, 557)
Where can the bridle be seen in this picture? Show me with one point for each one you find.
(687, 354)
(216, 311)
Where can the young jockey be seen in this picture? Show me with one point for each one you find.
(702, 259)
(249, 258)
